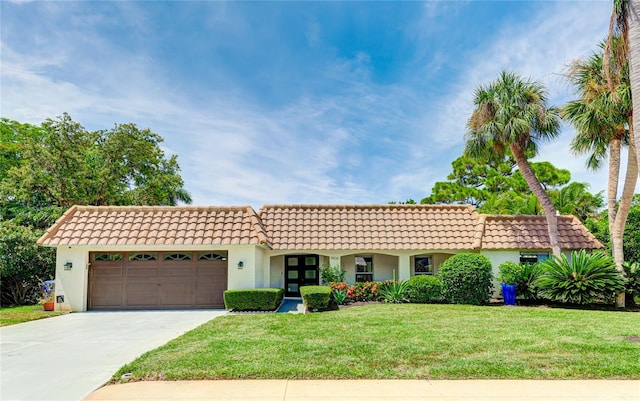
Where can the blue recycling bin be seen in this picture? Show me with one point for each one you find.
(509, 294)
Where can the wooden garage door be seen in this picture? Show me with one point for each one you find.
(157, 280)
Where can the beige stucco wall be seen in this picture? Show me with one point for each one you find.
(72, 284)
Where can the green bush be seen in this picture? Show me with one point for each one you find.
(632, 288)
(331, 274)
(340, 296)
(23, 264)
(586, 278)
(253, 299)
(424, 289)
(526, 286)
(466, 279)
(316, 297)
(510, 272)
(394, 292)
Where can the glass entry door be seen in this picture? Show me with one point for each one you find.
(300, 270)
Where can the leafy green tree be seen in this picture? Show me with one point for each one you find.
(22, 264)
(598, 225)
(70, 165)
(497, 187)
(576, 199)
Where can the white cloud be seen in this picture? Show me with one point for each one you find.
(540, 48)
(360, 142)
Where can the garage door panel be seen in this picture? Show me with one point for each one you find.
(128, 283)
(186, 271)
(107, 272)
(107, 295)
(177, 294)
(142, 271)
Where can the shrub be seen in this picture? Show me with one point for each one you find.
(340, 296)
(526, 286)
(632, 270)
(632, 288)
(364, 291)
(424, 289)
(316, 297)
(23, 265)
(587, 278)
(254, 299)
(466, 279)
(331, 274)
(395, 292)
(510, 272)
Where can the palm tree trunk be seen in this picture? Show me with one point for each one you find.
(630, 180)
(612, 187)
(540, 193)
(633, 21)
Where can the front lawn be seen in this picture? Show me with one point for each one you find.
(403, 342)
(20, 314)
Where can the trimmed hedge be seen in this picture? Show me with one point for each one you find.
(424, 289)
(253, 299)
(316, 297)
(466, 279)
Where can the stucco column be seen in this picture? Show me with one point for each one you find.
(404, 267)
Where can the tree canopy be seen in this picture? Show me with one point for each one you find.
(497, 187)
(61, 163)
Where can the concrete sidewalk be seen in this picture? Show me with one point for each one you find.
(374, 390)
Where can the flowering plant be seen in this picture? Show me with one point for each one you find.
(47, 288)
(364, 291)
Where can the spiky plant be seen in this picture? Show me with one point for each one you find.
(583, 279)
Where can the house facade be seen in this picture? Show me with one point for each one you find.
(133, 257)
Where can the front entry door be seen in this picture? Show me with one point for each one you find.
(300, 270)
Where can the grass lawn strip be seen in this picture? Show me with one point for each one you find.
(21, 314)
(403, 342)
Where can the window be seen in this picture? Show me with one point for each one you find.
(212, 256)
(422, 265)
(533, 257)
(364, 268)
(142, 257)
(176, 256)
(107, 257)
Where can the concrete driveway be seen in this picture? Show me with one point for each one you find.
(69, 356)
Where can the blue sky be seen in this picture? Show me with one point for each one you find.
(292, 102)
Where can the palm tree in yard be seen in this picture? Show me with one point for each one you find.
(603, 120)
(625, 26)
(512, 113)
(622, 47)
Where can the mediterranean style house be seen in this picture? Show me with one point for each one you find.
(147, 257)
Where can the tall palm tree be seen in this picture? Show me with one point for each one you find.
(512, 113)
(602, 117)
(625, 25)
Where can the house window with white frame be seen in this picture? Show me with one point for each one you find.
(364, 268)
(423, 264)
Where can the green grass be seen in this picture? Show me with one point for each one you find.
(403, 342)
(21, 314)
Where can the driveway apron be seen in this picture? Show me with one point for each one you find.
(69, 356)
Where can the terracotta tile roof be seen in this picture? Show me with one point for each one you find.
(370, 227)
(156, 225)
(313, 227)
(530, 232)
